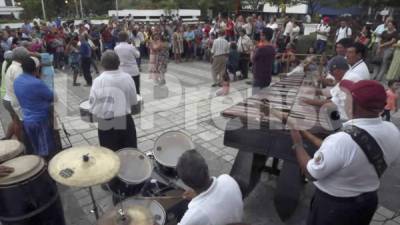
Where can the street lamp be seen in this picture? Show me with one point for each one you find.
(116, 7)
(44, 11)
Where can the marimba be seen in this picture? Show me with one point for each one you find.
(259, 128)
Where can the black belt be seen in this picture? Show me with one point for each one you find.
(361, 197)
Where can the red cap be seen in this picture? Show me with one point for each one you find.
(326, 19)
(369, 94)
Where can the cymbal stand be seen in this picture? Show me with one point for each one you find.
(86, 158)
(95, 209)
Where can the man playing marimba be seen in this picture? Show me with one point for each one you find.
(347, 167)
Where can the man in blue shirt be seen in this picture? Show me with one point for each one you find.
(86, 55)
(35, 99)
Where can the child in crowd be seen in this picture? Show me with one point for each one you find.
(233, 61)
(391, 102)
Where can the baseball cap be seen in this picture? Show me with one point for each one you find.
(326, 19)
(338, 62)
(369, 94)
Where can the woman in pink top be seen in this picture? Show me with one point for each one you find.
(391, 101)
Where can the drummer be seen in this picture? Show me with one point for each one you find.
(214, 200)
(111, 97)
(5, 171)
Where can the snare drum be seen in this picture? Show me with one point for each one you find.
(136, 168)
(167, 150)
(28, 196)
(136, 109)
(86, 115)
(10, 149)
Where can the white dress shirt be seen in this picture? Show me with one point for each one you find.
(357, 72)
(288, 29)
(221, 204)
(220, 47)
(12, 73)
(323, 28)
(127, 54)
(343, 32)
(342, 168)
(112, 95)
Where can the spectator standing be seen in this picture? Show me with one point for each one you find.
(245, 47)
(343, 31)
(177, 44)
(263, 59)
(219, 51)
(391, 101)
(385, 51)
(323, 30)
(127, 55)
(85, 52)
(394, 70)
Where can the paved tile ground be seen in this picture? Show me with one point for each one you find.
(187, 103)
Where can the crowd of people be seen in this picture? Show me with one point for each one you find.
(32, 54)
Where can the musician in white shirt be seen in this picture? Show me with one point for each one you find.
(214, 201)
(355, 55)
(111, 97)
(344, 175)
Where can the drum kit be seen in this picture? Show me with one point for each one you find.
(87, 116)
(145, 187)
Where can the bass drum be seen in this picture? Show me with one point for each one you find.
(10, 149)
(136, 169)
(167, 150)
(29, 196)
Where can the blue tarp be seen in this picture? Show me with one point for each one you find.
(354, 11)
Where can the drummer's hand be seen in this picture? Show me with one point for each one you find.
(5, 171)
(189, 194)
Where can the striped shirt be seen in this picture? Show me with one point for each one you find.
(245, 44)
(220, 47)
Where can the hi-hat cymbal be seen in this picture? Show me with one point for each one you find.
(133, 215)
(84, 166)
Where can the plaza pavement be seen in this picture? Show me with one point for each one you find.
(187, 103)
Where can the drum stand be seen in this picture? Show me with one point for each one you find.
(95, 209)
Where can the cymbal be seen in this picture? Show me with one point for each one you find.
(133, 215)
(84, 166)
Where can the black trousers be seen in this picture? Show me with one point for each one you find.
(117, 133)
(85, 63)
(137, 83)
(329, 210)
(244, 65)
